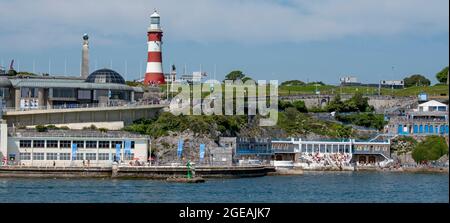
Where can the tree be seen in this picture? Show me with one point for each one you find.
(442, 75)
(316, 82)
(360, 103)
(432, 148)
(293, 83)
(246, 79)
(416, 80)
(235, 75)
(336, 104)
(12, 73)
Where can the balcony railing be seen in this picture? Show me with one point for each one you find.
(81, 106)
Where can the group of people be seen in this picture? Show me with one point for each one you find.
(137, 163)
(327, 159)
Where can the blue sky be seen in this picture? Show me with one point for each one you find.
(267, 39)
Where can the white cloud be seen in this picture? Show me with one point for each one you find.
(55, 23)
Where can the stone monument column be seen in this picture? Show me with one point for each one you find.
(85, 57)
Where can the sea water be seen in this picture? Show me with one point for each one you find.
(310, 187)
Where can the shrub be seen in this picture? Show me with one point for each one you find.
(52, 127)
(403, 144)
(300, 106)
(432, 148)
(92, 127)
(41, 128)
(369, 120)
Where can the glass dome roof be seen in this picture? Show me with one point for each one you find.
(105, 76)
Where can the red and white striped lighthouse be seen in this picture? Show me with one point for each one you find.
(154, 73)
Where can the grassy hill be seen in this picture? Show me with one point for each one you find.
(434, 91)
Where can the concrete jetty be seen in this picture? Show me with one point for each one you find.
(145, 172)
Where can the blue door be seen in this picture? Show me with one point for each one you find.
(415, 130)
(426, 128)
(431, 129)
(420, 128)
(400, 129)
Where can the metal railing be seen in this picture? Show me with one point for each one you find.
(75, 134)
(87, 105)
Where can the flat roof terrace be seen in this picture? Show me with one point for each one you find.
(53, 133)
(82, 108)
(126, 113)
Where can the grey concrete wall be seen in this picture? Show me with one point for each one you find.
(126, 115)
(379, 102)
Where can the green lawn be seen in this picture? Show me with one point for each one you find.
(436, 90)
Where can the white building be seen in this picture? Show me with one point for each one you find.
(431, 106)
(349, 80)
(392, 83)
(429, 118)
(195, 77)
(71, 147)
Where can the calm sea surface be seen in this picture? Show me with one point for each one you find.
(310, 187)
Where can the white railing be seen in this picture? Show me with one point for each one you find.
(82, 106)
(77, 134)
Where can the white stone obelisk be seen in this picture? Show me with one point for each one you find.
(85, 57)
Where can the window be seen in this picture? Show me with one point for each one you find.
(38, 143)
(128, 156)
(103, 144)
(79, 156)
(64, 156)
(80, 144)
(52, 156)
(84, 94)
(132, 144)
(38, 156)
(25, 156)
(154, 20)
(63, 93)
(65, 144)
(103, 156)
(25, 143)
(91, 144)
(28, 92)
(52, 143)
(114, 143)
(91, 156)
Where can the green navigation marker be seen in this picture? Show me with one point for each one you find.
(189, 174)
